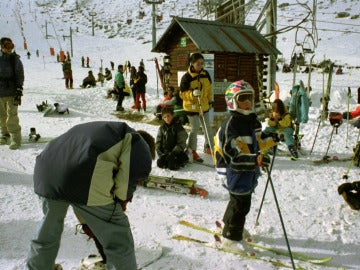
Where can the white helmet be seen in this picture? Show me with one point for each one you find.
(239, 91)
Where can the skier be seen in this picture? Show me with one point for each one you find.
(82, 61)
(119, 85)
(89, 81)
(140, 85)
(67, 71)
(240, 149)
(58, 108)
(133, 76)
(94, 167)
(108, 75)
(142, 64)
(351, 194)
(280, 122)
(11, 90)
(196, 93)
(171, 141)
(101, 77)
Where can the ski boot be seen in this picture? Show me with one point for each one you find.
(4, 139)
(33, 136)
(293, 153)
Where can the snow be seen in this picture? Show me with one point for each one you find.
(317, 220)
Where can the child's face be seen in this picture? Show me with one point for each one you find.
(198, 65)
(275, 107)
(167, 117)
(245, 102)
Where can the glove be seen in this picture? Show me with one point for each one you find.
(124, 203)
(196, 93)
(211, 104)
(263, 160)
(17, 97)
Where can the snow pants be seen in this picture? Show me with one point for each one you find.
(9, 119)
(109, 223)
(137, 101)
(195, 121)
(235, 216)
(173, 160)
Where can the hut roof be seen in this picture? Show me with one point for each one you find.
(213, 36)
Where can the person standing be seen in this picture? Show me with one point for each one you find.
(133, 75)
(240, 149)
(119, 85)
(95, 168)
(68, 74)
(140, 84)
(196, 93)
(11, 90)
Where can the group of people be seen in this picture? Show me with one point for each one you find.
(90, 167)
(138, 81)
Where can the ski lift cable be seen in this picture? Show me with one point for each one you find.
(52, 24)
(19, 23)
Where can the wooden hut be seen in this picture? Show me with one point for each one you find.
(232, 52)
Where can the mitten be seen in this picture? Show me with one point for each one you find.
(196, 93)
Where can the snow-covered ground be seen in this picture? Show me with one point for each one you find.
(317, 220)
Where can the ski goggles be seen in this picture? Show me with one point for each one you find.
(245, 97)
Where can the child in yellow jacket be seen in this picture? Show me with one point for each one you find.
(280, 122)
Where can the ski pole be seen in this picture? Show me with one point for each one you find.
(266, 186)
(332, 132)
(346, 174)
(205, 128)
(317, 130)
(347, 122)
(280, 216)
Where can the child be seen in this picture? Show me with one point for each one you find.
(167, 102)
(239, 148)
(280, 122)
(171, 142)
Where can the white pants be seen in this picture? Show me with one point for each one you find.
(195, 121)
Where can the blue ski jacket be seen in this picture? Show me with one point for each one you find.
(92, 163)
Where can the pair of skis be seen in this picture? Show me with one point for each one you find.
(245, 254)
(177, 185)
